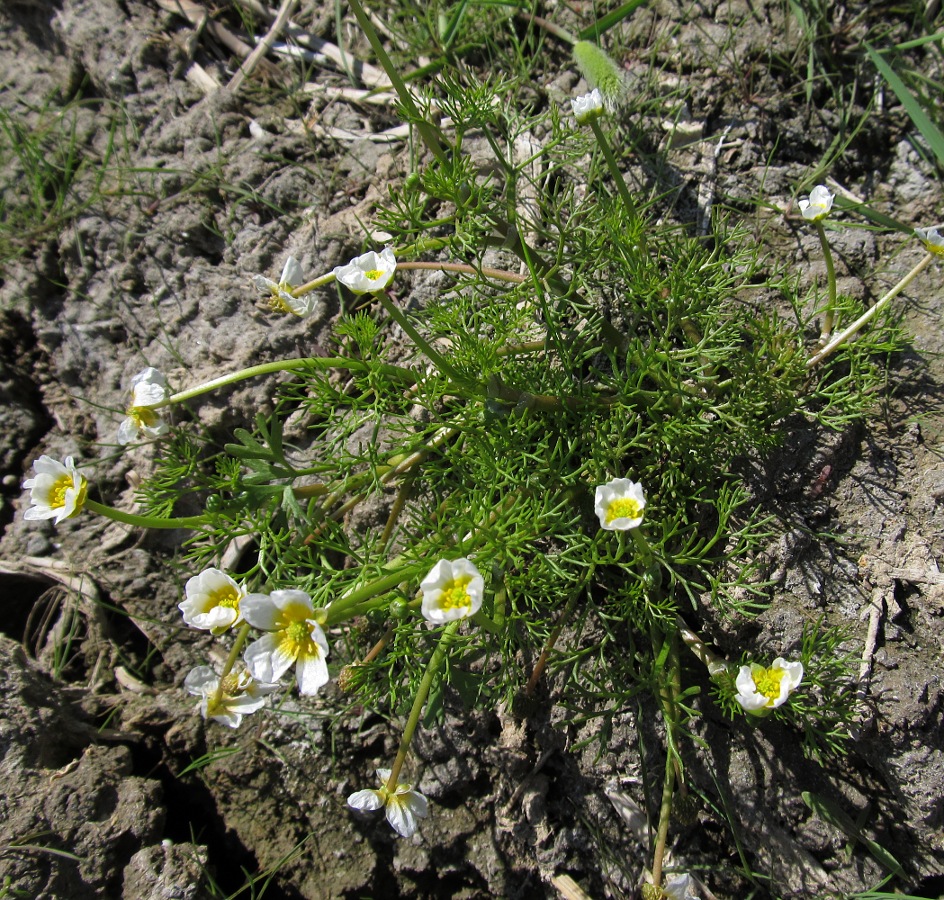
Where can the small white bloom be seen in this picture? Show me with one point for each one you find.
(148, 389)
(588, 107)
(242, 694)
(58, 490)
(295, 637)
(681, 887)
(818, 204)
(452, 590)
(279, 294)
(212, 603)
(619, 504)
(369, 273)
(403, 806)
(760, 688)
(932, 239)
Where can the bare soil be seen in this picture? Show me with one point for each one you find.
(153, 266)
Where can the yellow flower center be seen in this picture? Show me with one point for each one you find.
(297, 640)
(623, 508)
(57, 496)
(227, 596)
(277, 301)
(455, 594)
(767, 682)
(934, 248)
(373, 274)
(232, 686)
(143, 416)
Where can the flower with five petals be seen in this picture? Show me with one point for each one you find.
(368, 273)
(241, 694)
(452, 590)
(619, 504)
(148, 390)
(403, 805)
(212, 601)
(294, 637)
(279, 293)
(58, 490)
(762, 689)
(818, 204)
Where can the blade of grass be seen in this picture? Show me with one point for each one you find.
(610, 19)
(913, 107)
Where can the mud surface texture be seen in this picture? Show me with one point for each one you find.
(158, 196)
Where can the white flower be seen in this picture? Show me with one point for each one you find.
(241, 694)
(296, 637)
(213, 601)
(588, 107)
(818, 204)
(681, 887)
(403, 805)
(452, 590)
(760, 688)
(369, 273)
(148, 389)
(279, 294)
(58, 490)
(619, 504)
(932, 239)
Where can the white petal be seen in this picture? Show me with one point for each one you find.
(201, 681)
(311, 673)
(260, 612)
(292, 273)
(148, 394)
(294, 605)
(266, 659)
(127, 430)
(365, 800)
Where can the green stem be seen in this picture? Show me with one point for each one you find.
(670, 713)
(604, 146)
(238, 645)
(434, 356)
(830, 316)
(340, 609)
(419, 701)
(145, 521)
(320, 281)
(285, 365)
(857, 325)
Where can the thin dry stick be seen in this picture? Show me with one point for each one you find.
(263, 47)
(858, 324)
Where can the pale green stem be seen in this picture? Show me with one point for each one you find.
(340, 609)
(857, 325)
(604, 146)
(286, 365)
(238, 645)
(145, 521)
(419, 701)
(320, 281)
(714, 663)
(668, 785)
(434, 356)
(830, 315)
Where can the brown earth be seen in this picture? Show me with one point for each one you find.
(151, 267)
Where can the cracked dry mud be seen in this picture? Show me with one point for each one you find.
(204, 190)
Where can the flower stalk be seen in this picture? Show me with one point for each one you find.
(146, 521)
(617, 176)
(830, 314)
(419, 701)
(237, 648)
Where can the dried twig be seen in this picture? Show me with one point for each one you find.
(247, 67)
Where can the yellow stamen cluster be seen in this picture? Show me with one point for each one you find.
(623, 508)
(768, 682)
(227, 596)
(57, 496)
(455, 594)
(373, 274)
